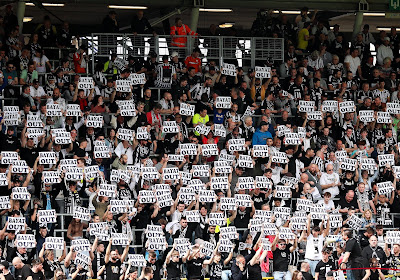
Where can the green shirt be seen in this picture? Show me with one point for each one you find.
(29, 77)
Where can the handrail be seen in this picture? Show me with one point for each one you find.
(243, 49)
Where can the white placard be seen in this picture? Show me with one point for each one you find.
(329, 106)
(219, 183)
(217, 219)
(16, 223)
(228, 203)
(188, 149)
(201, 171)
(142, 133)
(245, 183)
(209, 150)
(73, 110)
(138, 79)
(53, 110)
(27, 241)
(260, 151)
(386, 159)
(223, 102)
(385, 187)
(348, 164)
(237, 144)
(367, 116)
(306, 106)
(171, 173)
(85, 83)
(20, 193)
(5, 202)
(393, 107)
(54, 243)
(243, 200)
(262, 72)
(347, 107)
(193, 216)
(245, 161)
(280, 157)
(125, 134)
(47, 158)
(123, 85)
(47, 216)
(82, 213)
(137, 260)
(219, 130)
(186, 109)
(107, 190)
(94, 121)
(384, 117)
(206, 196)
(228, 69)
(314, 116)
(120, 239)
(8, 157)
(170, 127)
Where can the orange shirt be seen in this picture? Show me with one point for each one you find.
(194, 62)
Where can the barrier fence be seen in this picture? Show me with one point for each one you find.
(242, 51)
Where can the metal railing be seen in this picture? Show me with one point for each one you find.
(243, 51)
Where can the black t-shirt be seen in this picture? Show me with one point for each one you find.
(113, 270)
(243, 218)
(194, 268)
(80, 152)
(23, 273)
(323, 268)
(173, 270)
(307, 276)
(37, 275)
(281, 258)
(49, 267)
(353, 247)
(156, 267)
(9, 276)
(259, 200)
(254, 272)
(29, 155)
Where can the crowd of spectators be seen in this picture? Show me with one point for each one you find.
(225, 176)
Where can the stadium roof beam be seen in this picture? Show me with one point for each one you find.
(327, 5)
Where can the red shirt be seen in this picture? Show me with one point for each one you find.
(194, 62)
(78, 68)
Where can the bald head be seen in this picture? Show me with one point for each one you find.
(17, 263)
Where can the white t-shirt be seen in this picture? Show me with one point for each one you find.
(327, 206)
(41, 63)
(39, 92)
(353, 62)
(327, 179)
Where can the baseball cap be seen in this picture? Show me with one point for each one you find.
(175, 54)
(35, 81)
(263, 123)
(86, 109)
(386, 39)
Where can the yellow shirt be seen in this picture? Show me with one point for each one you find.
(302, 42)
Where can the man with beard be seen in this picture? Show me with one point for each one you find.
(313, 177)
(57, 99)
(113, 261)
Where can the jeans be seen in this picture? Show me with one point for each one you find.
(349, 274)
(313, 265)
(282, 275)
(226, 274)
